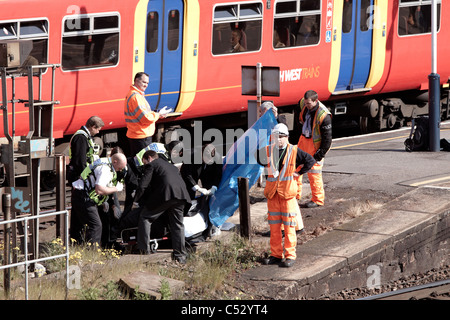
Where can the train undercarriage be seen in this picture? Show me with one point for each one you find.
(361, 115)
(386, 112)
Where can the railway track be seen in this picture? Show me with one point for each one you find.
(47, 199)
(439, 290)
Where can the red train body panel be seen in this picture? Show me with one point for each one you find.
(81, 93)
(210, 80)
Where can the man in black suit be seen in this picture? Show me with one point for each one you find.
(162, 191)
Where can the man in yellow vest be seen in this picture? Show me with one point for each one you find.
(96, 183)
(283, 162)
(316, 135)
(82, 150)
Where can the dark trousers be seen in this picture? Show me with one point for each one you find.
(86, 225)
(174, 209)
(137, 145)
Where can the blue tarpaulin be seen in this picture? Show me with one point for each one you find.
(240, 162)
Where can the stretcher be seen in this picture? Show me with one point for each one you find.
(129, 238)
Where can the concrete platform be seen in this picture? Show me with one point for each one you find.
(406, 235)
(397, 242)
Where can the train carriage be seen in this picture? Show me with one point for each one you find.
(366, 58)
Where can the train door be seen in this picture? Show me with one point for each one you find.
(163, 53)
(356, 47)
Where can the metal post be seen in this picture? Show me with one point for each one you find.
(258, 101)
(434, 112)
(25, 241)
(6, 201)
(434, 86)
(60, 193)
(258, 85)
(66, 233)
(244, 207)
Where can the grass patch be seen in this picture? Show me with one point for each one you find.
(359, 208)
(207, 274)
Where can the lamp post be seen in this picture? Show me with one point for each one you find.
(434, 86)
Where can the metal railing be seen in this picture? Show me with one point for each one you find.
(27, 262)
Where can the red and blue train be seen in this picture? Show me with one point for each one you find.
(369, 59)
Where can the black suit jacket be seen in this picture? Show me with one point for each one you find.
(79, 148)
(161, 182)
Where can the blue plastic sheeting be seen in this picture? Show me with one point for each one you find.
(240, 162)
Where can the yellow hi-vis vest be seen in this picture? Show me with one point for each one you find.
(283, 183)
(89, 178)
(155, 146)
(321, 113)
(93, 148)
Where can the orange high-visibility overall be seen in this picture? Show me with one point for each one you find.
(283, 209)
(311, 145)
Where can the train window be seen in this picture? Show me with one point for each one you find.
(8, 31)
(297, 23)
(250, 10)
(347, 16)
(111, 22)
(237, 28)
(286, 7)
(90, 41)
(33, 28)
(152, 31)
(309, 5)
(225, 12)
(34, 36)
(366, 15)
(78, 24)
(174, 30)
(414, 17)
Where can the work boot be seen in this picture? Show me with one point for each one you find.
(309, 205)
(180, 259)
(267, 234)
(271, 260)
(287, 263)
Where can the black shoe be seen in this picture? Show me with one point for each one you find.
(179, 259)
(309, 205)
(271, 260)
(266, 234)
(287, 263)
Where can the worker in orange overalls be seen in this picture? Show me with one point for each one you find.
(283, 161)
(315, 121)
(139, 117)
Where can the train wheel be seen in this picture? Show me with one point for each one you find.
(98, 141)
(367, 125)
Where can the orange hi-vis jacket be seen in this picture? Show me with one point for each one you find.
(284, 183)
(139, 117)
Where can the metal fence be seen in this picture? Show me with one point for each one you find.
(27, 262)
